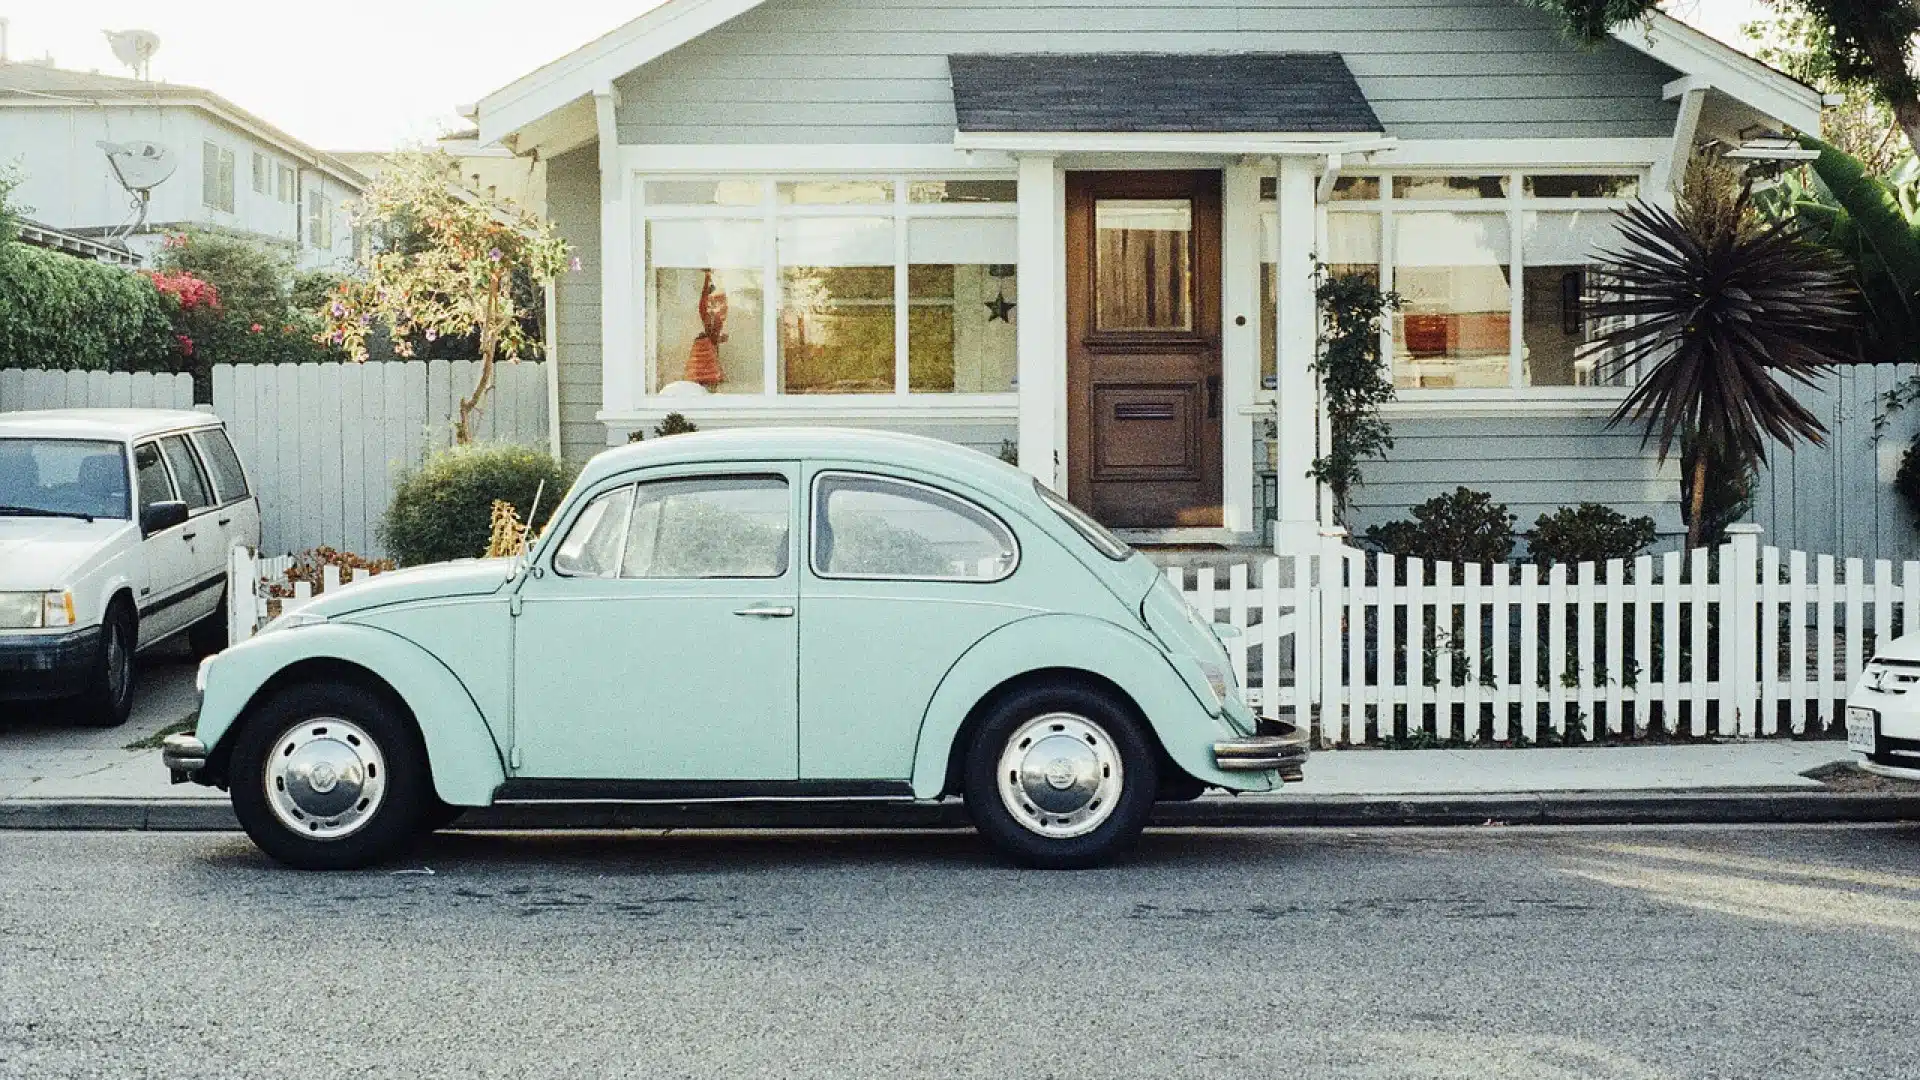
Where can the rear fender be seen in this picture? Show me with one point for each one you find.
(461, 750)
(1077, 643)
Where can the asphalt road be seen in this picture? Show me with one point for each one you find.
(1614, 954)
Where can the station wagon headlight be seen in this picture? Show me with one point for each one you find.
(33, 610)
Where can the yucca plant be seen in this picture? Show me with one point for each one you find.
(1720, 315)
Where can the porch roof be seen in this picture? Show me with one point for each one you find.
(1294, 92)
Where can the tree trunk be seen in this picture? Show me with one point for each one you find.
(489, 340)
(1697, 500)
(1895, 83)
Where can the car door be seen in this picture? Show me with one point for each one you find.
(239, 517)
(903, 576)
(660, 640)
(168, 562)
(204, 537)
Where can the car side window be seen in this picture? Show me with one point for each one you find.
(188, 479)
(593, 545)
(876, 527)
(150, 476)
(709, 527)
(229, 480)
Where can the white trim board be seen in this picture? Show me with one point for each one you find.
(828, 159)
(673, 23)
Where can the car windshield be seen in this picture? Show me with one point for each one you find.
(78, 478)
(1105, 542)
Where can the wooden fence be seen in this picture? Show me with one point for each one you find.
(30, 388)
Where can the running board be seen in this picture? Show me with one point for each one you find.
(539, 791)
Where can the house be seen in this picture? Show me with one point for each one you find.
(1088, 234)
(490, 170)
(234, 172)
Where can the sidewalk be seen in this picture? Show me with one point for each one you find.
(54, 775)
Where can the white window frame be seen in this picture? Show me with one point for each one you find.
(219, 194)
(769, 212)
(1515, 206)
(319, 220)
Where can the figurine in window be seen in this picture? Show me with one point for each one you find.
(703, 362)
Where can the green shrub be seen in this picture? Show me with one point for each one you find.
(1464, 527)
(58, 311)
(1907, 480)
(1589, 532)
(444, 510)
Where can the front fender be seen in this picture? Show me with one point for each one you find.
(1081, 643)
(461, 751)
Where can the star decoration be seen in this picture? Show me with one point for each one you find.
(1000, 308)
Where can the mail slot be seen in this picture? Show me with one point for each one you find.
(1142, 410)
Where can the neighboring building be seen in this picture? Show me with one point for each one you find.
(1090, 232)
(486, 170)
(236, 173)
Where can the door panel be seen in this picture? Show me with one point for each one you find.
(170, 566)
(1143, 344)
(205, 538)
(630, 664)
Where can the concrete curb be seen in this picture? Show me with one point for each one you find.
(1306, 811)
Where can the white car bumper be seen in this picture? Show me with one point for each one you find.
(1883, 719)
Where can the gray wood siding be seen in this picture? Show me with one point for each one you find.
(875, 71)
(573, 205)
(1839, 498)
(1534, 464)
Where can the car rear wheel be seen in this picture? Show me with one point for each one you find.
(108, 699)
(330, 776)
(1060, 777)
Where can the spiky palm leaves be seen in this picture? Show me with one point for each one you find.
(1712, 319)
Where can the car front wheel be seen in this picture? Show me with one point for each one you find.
(108, 699)
(1060, 777)
(330, 776)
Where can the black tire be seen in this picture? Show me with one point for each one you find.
(209, 635)
(108, 699)
(306, 712)
(1075, 713)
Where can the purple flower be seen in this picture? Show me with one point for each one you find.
(432, 333)
(494, 254)
(339, 310)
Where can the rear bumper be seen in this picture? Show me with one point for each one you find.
(37, 666)
(1277, 747)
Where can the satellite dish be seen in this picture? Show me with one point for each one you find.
(135, 48)
(140, 166)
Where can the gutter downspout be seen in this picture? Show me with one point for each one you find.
(552, 347)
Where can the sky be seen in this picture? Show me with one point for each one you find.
(379, 74)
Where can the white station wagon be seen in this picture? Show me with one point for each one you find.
(115, 526)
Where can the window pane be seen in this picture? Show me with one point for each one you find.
(707, 301)
(1142, 264)
(964, 291)
(187, 477)
(963, 191)
(837, 310)
(1450, 187)
(1557, 250)
(871, 527)
(705, 192)
(229, 480)
(1352, 248)
(64, 476)
(1356, 189)
(1549, 186)
(592, 547)
(836, 192)
(720, 527)
(1451, 271)
(150, 476)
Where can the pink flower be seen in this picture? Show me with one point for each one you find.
(254, 329)
(573, 264)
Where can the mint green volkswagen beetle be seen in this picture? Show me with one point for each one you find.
(766, 614)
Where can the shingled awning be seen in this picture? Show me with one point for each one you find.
(1293, 93)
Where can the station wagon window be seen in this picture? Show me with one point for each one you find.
(150, 476)
(874, 527)
(229, 480)
(593, 546)
(709, 527)
(187, 477)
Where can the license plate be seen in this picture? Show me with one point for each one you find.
(1862, 729)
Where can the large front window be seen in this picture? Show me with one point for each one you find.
(831, 286)
(1494, 271)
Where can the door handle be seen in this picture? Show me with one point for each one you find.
(188, 536)
(765, 611)
(224, 522)
(1213, 397)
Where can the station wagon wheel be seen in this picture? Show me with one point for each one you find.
(330, 776)
(1061, 775)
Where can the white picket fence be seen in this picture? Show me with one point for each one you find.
(1748, 641)
(252, 584)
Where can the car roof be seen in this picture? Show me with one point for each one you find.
(120, 424)
(856, 446)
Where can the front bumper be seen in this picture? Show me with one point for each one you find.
(184, 757)
(36, 666)
(1276, 747)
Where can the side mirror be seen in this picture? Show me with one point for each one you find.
(161, 516)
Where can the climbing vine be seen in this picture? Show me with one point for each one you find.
(1353, 381)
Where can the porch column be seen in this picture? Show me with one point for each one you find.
(1041, 311)
(1240, 329)
(1296, 503)
(619, 356)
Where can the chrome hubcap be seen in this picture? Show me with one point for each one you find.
(326, 778)
(1060, 776)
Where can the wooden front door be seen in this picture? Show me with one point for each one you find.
(1143, 348)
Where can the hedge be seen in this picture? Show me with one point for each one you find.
(58, 311)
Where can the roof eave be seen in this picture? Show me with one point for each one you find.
(1727, 70)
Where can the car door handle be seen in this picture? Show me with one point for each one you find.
(224, 522)
(765, 611)
(188, 536)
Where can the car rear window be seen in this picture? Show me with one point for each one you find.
(229, 480)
